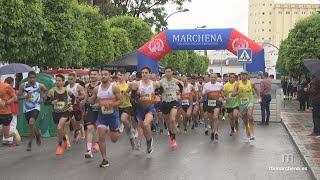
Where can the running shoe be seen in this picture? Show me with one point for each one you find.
(104, 164)
(161, 131)
(252, 137)
(232, 133)
(138, 145)
(59, 150)
(149, 146)
(29, 146)
(185, 131)
(96, 147)
(121, 128)
(88, 154)
(173, 143)
(16, 136)
(76, 137)
(216, 136)
(132, 143)
(212, 136)
(206, 132)
(223, 118)
(38, 137)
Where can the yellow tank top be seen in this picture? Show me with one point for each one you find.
(245, 92)
(126, 99)
(232, 101)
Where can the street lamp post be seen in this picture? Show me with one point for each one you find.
(202, 27)
(184, 10)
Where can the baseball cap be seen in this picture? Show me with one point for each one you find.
(244, 72)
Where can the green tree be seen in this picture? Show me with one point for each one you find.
(303, 42)
(63, 35)
(139, 31)
(11, 21)
(152, 11)
(177, 60)
(122, 44)
(98, 37)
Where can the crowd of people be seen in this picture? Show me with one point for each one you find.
(138, 103)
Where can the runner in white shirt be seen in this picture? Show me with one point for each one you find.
(215, 93)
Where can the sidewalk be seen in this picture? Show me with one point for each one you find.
(299, 125)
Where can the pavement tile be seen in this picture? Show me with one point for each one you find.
(299, 125)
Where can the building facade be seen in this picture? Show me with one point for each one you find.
(271, 20)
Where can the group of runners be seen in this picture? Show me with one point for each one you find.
(105, 103)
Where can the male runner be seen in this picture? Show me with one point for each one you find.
(244, 89)
(125, 109)
(29, 92)
(62, 100)
(7, 96)
(92, 115)
(79, 93)
(232, 103)
(145, 89)
(215, 93)
(187, 102)
(108, 96)
(169, 102)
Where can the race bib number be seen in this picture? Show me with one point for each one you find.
(244, 100)
(185, 102)
(212, 103)
(33, 97)
(146, 96)
(169, 97)
(60, 105)
(105, 110)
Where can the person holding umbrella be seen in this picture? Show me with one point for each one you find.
(313, 65)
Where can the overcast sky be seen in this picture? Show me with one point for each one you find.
(216, 14)
(212, 13)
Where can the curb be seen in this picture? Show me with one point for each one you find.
(305, 157)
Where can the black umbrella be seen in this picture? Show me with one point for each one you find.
(15, 68)
(313, 65)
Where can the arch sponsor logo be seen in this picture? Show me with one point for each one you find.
(156, 46)
(239, 43)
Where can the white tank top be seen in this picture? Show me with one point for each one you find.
(106, 96)
(147, 94)
(170, 90)
(74, 90)
(31, 103)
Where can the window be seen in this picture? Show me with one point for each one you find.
(295, 12)
(269, 38)
(262, 22)
(262, 38)
(263, 13)
(269, 30)
(262, 30)
(279, 12)
(264, 4)
(269, 22)
(270, 4)
(270, 13)
(287, 12)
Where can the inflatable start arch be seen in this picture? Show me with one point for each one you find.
(199, 39)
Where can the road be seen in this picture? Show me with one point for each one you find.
(196, 158)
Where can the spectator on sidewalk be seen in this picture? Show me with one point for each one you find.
(15, 113)
(314, 90)
(284, 85)
(265, 93)
(303, 95)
